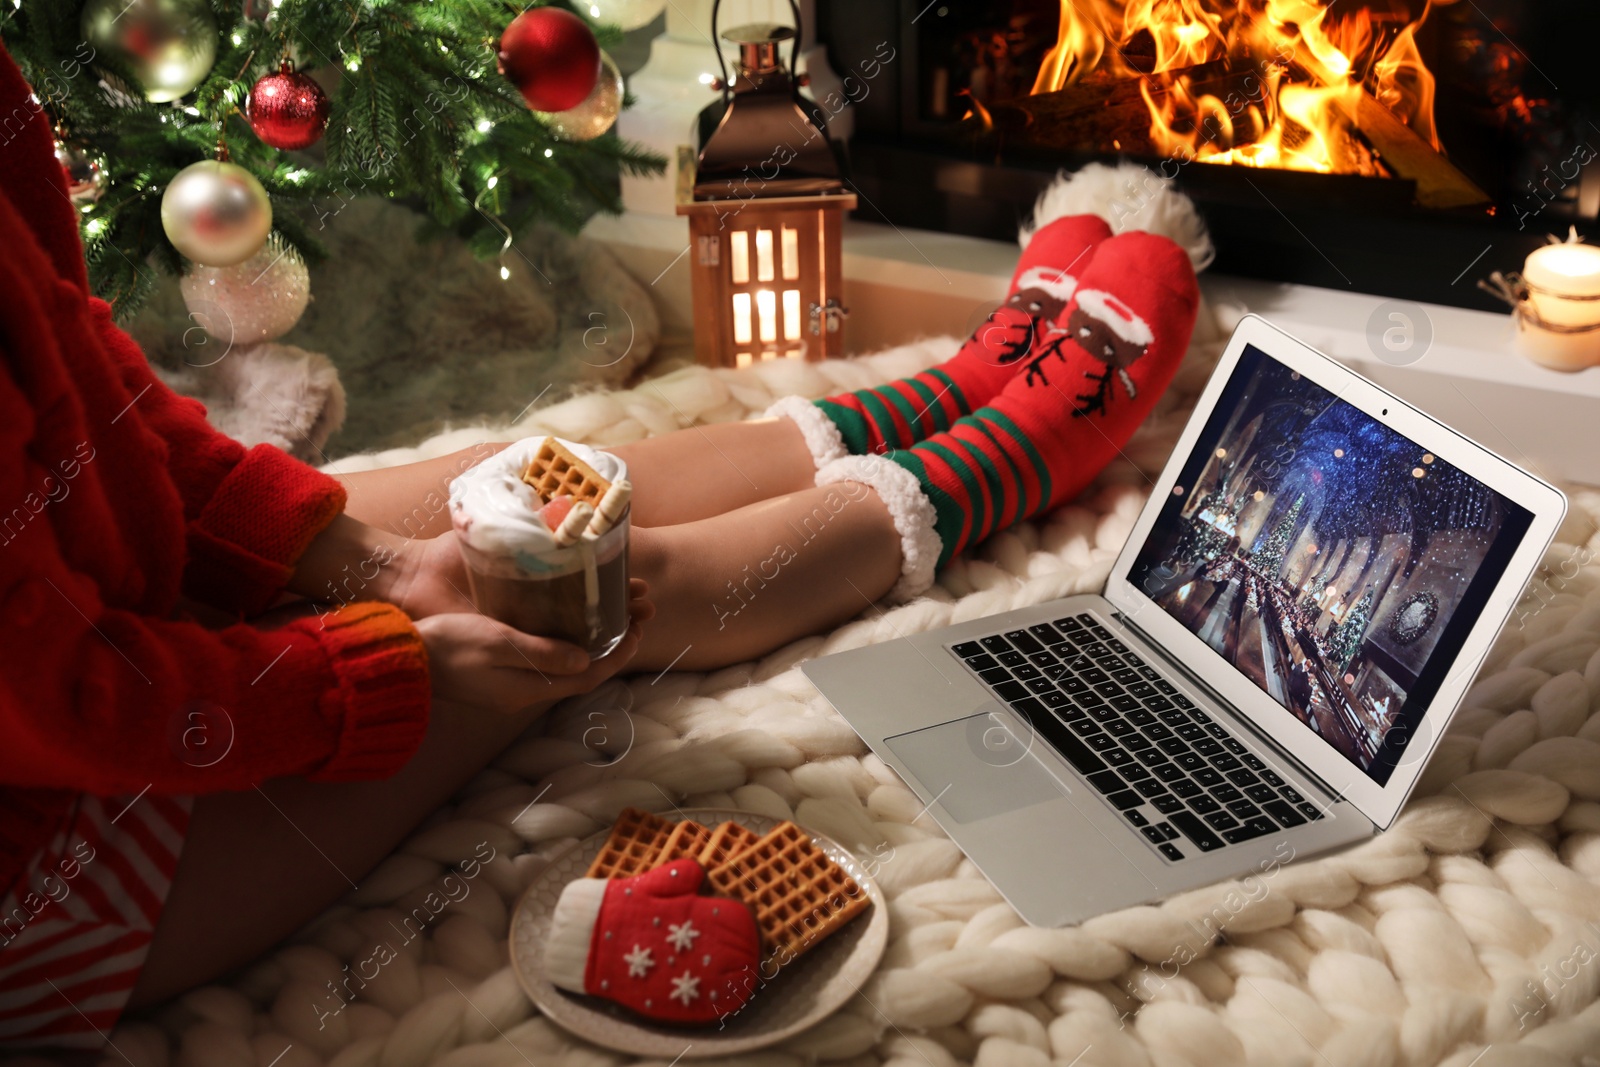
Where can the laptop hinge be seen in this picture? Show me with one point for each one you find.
(1175, 665)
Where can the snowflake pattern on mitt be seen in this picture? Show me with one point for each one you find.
(685, 987)
(639, 962)
(682, 936)
(658, 947)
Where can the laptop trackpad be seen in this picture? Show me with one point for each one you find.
(977, 767)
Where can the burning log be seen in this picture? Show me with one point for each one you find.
(1108, 113)
(1404, 152)
(1224, 82)
(1439, 183)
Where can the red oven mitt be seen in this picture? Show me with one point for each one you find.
(652, 944)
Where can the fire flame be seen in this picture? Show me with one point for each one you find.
(1262, 83)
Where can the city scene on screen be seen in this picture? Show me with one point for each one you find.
(1322, 554)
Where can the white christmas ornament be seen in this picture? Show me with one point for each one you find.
(216, 213)
(626, 14)
(597, 113)
(258, 300)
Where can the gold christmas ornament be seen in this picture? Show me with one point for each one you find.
(598, 111)
(216, 213)
(169, 45)
(257, 300)
(85, 173)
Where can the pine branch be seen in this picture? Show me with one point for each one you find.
(419, 114)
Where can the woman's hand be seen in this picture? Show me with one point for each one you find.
(430, 578)
(350, 561)
(478, 661)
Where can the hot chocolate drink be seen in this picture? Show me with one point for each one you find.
(543, 528)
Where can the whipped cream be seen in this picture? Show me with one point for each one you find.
(496, 513)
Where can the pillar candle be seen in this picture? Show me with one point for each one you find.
(1564, 291)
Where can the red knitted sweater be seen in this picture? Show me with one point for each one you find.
(115, 495)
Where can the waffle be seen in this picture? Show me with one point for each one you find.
(687, 840)
(726, 841)
(555, 471)
(799, 895)
(636, 837)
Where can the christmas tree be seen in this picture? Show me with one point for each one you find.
(1269, 557)
(1352, 631)
(1202, 541)
(408, 102)
(1308, 603)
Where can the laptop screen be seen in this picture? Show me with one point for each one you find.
(1332, 561)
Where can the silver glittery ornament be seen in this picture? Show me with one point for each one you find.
(258, 300)
(85, 172)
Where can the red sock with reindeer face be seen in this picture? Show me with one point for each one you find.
(903, 412)
(1081, 391)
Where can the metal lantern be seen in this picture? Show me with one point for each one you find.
(765, 206)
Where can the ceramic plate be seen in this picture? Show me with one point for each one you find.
(800, 995)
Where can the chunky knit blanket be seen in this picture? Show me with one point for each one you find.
(1468, 934)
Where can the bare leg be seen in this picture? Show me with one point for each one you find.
(747, 582)
(705, 471)
(257, 865)
(679, 477)
(411, 500)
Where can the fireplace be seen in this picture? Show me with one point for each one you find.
(1397, 147)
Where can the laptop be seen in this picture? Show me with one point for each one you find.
(1314, 581)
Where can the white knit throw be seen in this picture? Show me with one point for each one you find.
(1467, 934)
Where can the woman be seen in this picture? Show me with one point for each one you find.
(177, 797)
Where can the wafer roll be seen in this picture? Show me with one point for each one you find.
(574, 524)
(609, 511)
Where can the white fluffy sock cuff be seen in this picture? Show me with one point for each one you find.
(822, 436)
(910, 509)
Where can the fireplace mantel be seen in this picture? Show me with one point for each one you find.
(901, 284)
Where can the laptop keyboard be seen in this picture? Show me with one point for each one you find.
(1172, 770)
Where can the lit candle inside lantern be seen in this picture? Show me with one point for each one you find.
(1563, 281)
(763, 255)
(767, 312)
(741, 319)
(791, 314)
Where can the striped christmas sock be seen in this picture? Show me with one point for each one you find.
(1085, 387)
(903, 412)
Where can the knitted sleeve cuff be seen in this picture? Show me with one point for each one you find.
(246, 540)
(381, 667)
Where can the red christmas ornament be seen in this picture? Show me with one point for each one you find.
(287, 110)
(552, 58)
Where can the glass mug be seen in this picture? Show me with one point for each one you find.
(576, 593)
